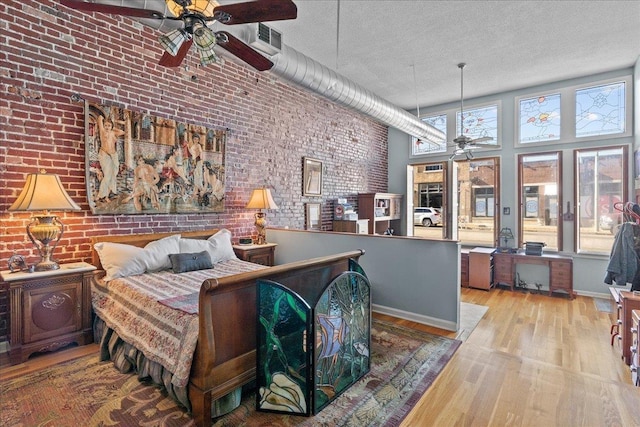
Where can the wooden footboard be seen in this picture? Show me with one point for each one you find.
(226, 353)
(225, 356)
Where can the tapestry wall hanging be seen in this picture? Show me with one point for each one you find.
(137, 163)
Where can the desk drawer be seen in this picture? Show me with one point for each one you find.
(561, 274)
(503, 272)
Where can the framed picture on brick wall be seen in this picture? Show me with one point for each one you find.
(311, 177)
(314, 216)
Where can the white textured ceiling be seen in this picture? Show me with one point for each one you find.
(506, 44)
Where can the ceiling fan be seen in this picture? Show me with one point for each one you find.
(462, 143)
(196, 16)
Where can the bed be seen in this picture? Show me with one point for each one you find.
(223, 310)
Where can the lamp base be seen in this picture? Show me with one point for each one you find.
(42, 231)
(46, 265)
(261, 223)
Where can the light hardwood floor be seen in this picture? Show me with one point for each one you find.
(533, 360)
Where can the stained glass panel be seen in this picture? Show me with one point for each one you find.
(600, 110)
(423, 147)
(479, 123)
(540, 118)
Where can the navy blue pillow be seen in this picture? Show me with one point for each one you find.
(181, 263)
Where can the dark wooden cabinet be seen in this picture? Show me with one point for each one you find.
(464, 269)
(629, 302)
(4, 312)
(257, 254)
(49, 310)
(481, 268)
(359, 226)
(635, 347)
(383, 210)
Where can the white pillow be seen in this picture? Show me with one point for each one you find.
(219, 246)
(224, 248)
(157, 253)
(119, 260)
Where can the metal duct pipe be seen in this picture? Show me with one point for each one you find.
(310, 74)
(304, 71)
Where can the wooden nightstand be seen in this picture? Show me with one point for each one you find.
(48, 309)
(258, 254)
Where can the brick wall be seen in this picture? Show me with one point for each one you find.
(50, 52)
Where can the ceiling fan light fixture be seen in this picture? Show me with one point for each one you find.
(172, 40)
(205, 40)
(205, 7)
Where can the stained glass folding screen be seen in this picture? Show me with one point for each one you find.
(313, 344)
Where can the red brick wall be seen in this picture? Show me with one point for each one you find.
(50, 52)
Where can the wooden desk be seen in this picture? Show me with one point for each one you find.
(560, 269)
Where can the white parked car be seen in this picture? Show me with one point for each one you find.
(426, 217)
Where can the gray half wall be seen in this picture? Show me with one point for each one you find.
(411, 278)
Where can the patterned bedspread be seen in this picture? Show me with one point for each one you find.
(165, 335)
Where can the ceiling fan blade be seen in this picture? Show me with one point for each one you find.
(481, 140)
(243, 51)
(114, 10)
(255, 11)
(169, 60)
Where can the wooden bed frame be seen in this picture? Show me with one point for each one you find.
(225, 356)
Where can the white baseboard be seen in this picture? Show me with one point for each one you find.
(419, 318)
(593, 294)
(4, 346)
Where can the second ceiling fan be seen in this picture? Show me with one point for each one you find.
(464, 144)
(196, 16)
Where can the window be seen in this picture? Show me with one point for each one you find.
(430, 195)
(433, 168)
(428, 191)
(479, 123)
(539, 118)
(477, 189)
(601, 182)
(600, 110)
(484, 201)
(575, 113)
(424, 147)
(539, 178)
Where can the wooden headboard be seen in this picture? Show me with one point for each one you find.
(141, 240)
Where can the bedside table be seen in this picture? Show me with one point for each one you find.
(258, 254)
(48, 310)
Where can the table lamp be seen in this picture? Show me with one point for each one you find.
(44, 192)
(261, 199)
(505, 235)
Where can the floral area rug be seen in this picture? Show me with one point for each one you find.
(86, 392)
